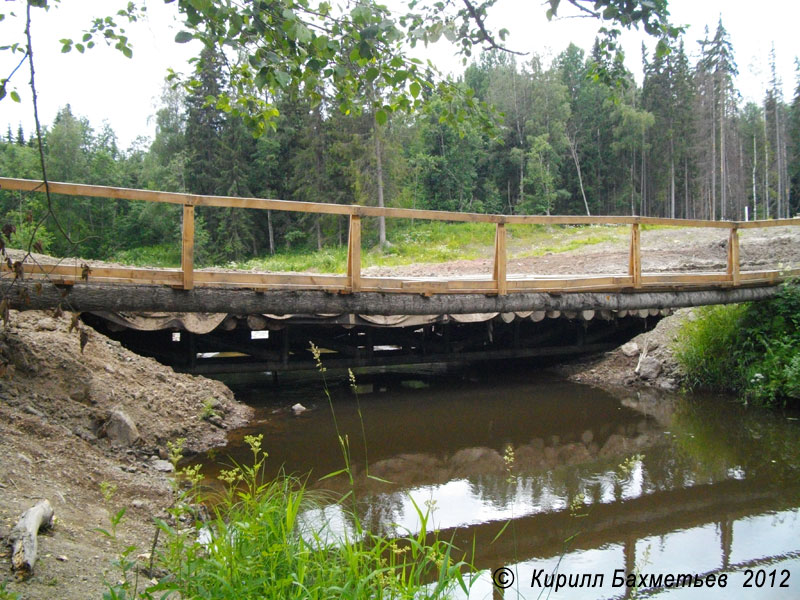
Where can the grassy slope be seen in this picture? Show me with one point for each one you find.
(423, 242)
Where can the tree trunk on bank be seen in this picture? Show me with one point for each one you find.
(24, 537)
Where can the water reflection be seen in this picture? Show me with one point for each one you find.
(709, 485)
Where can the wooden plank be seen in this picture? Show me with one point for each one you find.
(610, 220)
(500, 259)
(666, 279)
(75, 272)
(733, 256)
(187, 246)
(245, 279)
(771, 223)
(98, 191)
(354, 254)
(567, 283)
(635, 259)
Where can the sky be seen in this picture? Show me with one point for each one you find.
(103, 85)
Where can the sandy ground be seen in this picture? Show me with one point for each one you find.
(54, 403)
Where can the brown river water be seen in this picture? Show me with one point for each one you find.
(588, 485)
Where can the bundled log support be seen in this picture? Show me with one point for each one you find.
(24, 537)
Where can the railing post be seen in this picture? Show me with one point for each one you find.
(500, 259)
(635, 261)
(187, 247)
(354, 254)
(733, 255)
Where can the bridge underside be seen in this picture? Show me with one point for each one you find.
(282, 343)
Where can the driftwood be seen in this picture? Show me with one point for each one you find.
(23, 538)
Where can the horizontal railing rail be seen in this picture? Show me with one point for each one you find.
(500, 282)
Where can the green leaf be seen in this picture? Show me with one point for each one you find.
(415, 88)
(14, 96)
(381, 116)
(183, 36)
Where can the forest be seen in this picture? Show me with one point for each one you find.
(555, 139)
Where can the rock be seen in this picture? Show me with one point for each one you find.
(120, 429)
(649, 368)
(216, 421)
(668, 384)
(299, 408)
(139, 503)
(163, 466)
(36, 413)
(630, 349)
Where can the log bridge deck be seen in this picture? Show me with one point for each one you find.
(106, 289)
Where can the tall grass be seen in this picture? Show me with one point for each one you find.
(259, 545)
(751, 349)
(266, 540)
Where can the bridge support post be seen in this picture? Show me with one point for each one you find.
(187, 247)
(500, 260)
(354, 254)
(733, 255)
(635, 261)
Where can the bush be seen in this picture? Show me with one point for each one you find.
(751, 349)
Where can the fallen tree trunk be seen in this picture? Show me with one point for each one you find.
(23, 538)
(81, 297)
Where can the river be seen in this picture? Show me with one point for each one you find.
(588, 485)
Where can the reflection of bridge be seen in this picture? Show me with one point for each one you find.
(99, 288)
(530, 541)
(625, 521)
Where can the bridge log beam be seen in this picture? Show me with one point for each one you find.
(41, 295)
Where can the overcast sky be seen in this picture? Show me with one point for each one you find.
(104, 85)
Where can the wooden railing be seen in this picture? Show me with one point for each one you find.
(499, 283)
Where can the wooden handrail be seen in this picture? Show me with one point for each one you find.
(100, 191)
(354, 281)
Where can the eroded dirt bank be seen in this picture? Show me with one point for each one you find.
(71, 421)
(645, 361)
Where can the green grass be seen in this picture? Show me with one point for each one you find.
(437, 242)
(424, 242)
(162, 255)
(260, 544)
(750, 349)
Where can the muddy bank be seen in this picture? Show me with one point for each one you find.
(647, 361)
(71, 421)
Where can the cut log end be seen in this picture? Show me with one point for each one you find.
(24, 537)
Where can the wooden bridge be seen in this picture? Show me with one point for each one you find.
(113, 289)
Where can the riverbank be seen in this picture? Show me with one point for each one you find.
(72, 420)
(646, 361)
